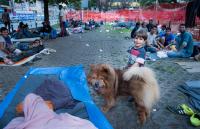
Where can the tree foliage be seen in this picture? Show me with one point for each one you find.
(150, 2)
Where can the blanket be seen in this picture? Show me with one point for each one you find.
(192, 90)
(37, 115)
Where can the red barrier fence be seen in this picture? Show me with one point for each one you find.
(163, 16)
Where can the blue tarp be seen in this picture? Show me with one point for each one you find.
(74, 77)
(192, 90)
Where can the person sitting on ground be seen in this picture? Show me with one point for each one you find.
(151, 43)
(3, 54)
(15, 54)
(150, 25)
(9, 47)
(137, 52)
(184, 44)
(167, 40)
(46, 29)
(24, 32)
(143, 27)
(161, 30)
(135, 29)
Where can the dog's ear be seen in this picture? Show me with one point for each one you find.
(105, 69)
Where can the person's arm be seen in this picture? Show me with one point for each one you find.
(140, 60)
(1, 46)
(136, 64)
(185, 42)
(147, 43)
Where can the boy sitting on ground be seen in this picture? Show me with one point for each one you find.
(151, 43)
(137, 52)
(166, 40)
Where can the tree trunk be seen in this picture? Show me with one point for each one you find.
(191, 13)
(46, 10)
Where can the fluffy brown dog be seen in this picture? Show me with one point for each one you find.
(138, 82)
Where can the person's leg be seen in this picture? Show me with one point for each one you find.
(5, 24)
(151, 49)
(9, 27)
(174, 54)
(64, 29)
(179, 54)
(185, 55)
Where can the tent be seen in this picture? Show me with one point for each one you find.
(75, 79)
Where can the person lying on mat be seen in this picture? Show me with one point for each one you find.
(184, 44)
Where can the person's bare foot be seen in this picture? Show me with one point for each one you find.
(8, 61)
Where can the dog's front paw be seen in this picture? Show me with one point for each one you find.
(105, 109)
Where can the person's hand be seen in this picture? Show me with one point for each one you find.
(8, 61)
(17, 51)
(1, 46)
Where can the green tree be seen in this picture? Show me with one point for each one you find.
(150, 2)
(92, 3)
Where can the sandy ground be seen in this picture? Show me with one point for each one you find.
(101, 46)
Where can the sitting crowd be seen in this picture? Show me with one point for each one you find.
(11, 53)
(161, 38)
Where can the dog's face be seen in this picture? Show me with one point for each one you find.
(100, 78)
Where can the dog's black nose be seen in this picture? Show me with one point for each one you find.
(96, 85)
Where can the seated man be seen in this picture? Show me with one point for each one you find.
(46, 29)
(3, 55)
(8, 45)
(151, 43)
(184, 44)
(6, 48)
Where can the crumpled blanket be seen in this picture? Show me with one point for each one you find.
(37, 115)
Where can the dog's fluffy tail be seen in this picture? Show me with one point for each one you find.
(151, 92)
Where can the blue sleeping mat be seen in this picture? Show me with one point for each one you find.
(74, 77)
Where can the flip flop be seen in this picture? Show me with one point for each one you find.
(195, 119)
(187, 110)
(182, 109)
(176, 109)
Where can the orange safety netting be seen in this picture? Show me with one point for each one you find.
(162, 12)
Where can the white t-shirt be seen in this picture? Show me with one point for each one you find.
(151, 39)
(2, 42)
(62, 14)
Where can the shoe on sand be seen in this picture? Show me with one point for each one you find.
(182, 109)
(195, 119)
